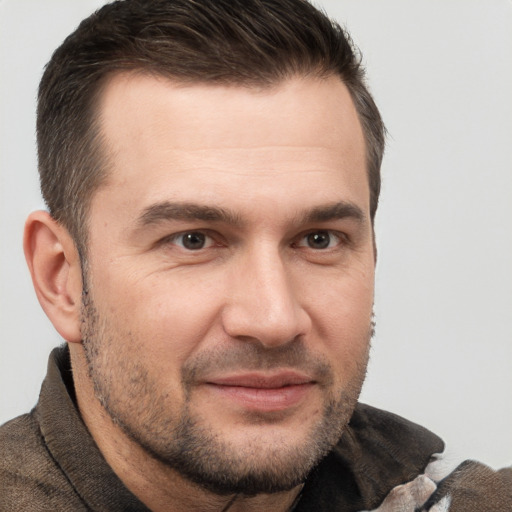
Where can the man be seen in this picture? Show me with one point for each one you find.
(211, 171)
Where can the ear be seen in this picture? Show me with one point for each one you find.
(55, 268)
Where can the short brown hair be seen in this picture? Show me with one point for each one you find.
(241, 42)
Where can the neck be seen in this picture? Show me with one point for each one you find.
(158, 486)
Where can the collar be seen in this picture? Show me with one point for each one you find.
(71, 445)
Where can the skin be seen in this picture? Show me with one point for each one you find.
(252, 335)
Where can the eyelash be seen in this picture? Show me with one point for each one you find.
(339, 238)
(172, 239)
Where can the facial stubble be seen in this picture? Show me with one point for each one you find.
(181, 437)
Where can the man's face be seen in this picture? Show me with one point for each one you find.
(230, 275)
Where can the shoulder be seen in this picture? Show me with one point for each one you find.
(377, 452)
(385, 449)
(473, 487)
(29, 477)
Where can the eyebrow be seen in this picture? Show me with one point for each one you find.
(334, 211)
(166, 211)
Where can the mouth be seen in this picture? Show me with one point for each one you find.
(261, 392)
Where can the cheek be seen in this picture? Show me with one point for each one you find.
(344, 303)
(165, 318)
(342, 317)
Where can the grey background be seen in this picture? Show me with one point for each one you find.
(441, 73)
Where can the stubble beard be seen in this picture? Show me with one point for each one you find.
(181, 439)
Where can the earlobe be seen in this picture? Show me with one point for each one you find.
(55, 268)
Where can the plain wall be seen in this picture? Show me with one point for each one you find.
(441, 73)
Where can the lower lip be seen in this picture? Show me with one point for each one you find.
(264, 399)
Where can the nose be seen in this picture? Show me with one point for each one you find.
(264, 302)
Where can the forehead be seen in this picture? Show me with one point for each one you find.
(149, 99)
(169, 141)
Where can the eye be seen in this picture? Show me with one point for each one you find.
(192, 240)
(320, 240)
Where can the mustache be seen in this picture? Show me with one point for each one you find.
(252, 356)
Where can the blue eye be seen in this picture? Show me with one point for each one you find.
(320, 240)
